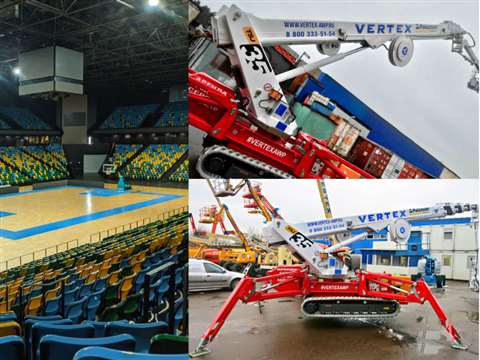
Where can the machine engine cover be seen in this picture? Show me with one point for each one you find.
(400, 51)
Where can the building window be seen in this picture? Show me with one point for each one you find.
(400, 261)
(385, 260)
(447, 260)
(447, 234)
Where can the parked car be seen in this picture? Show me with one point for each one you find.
(206, 275)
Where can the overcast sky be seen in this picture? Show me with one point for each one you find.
(428, 100)
(299, 200)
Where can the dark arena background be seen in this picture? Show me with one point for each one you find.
(93, 178)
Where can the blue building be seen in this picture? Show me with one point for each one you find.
(380, 130)
(452, 241)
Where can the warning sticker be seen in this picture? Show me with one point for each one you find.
(291, 229)
(250, 35)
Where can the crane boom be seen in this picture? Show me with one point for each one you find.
(244, 35)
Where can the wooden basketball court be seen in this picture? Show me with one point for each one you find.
(33, 220)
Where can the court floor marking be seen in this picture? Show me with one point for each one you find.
(56, 225)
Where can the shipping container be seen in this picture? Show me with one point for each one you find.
(378, 161)
(343, 139)
(410, 171)
(360, 152)
(394, 167)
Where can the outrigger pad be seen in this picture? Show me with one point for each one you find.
(198, 352)
(459, 346)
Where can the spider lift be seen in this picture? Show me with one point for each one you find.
(252, 129)
(331, 280)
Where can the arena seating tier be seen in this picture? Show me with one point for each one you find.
(4, 125)
(20, 164)
(94, 296)
(128, 117)
(24, 118)
(123, 152)
(152, 163)
(173, 114)
(181, 173)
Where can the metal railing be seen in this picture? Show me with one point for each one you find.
(38, 254)
(95, 237)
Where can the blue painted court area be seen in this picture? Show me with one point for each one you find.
(5, 214)
(40, 229)
(107, 192)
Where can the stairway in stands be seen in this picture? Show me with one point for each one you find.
(151, 119)
(130, 159)
(174, 167)
(10, 121)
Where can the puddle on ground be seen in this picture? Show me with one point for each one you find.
(402, 339)
(472, 316)
(253, 331)
(430, 348)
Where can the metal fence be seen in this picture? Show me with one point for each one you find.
(95, 237)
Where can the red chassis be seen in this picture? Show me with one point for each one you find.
(292, 281)
(213, 108)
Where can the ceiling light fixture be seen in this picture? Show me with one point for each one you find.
(124, 3)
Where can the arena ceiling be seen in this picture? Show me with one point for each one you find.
(125, 42)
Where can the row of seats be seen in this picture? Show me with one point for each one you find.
(152, 163)
(173, 114)
(57, 338)
(25, 118)
(20, 164)
(84, 282)
(181, 173)
(99, 285)
(128, 117)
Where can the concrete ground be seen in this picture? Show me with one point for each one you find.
(281, 333)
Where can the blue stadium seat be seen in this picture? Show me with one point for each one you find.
(12, 348)
(86, 289)
(141, 332)
(70, 296)
(101, 326)
(75, 310)
(32, 320)
(42, 329)
(140, 279)
(55, 347)
(98, 353)
(52, 306)
(100, 284)
(93, 303)
(161, 289)
(10, 316)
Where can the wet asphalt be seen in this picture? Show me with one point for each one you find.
(280, 332)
